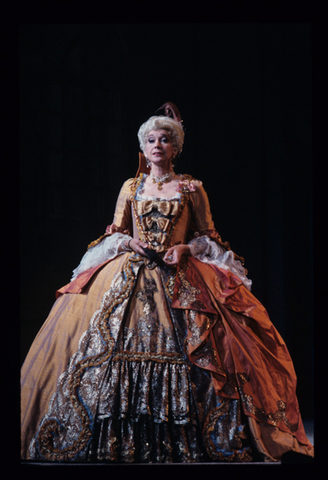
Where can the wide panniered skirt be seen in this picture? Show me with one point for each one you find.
(110, 378)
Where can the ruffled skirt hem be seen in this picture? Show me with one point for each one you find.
(145, 441)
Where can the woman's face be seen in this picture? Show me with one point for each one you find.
(159, 147)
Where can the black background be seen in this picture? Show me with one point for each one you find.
(244, 93)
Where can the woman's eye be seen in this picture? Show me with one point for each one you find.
(161, 139)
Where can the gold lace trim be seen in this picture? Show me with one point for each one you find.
(51, 428)
(272, 418)
(147, 356)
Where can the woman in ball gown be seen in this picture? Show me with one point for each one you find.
(157, 351)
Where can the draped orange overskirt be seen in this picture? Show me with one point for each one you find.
(248, 357)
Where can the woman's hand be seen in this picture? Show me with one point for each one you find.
(174, 254)
(137, 246)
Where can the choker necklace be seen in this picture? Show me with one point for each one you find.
(163, 179)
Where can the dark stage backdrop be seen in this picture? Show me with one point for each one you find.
(244, 92)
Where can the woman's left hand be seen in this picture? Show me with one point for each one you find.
(174, 254)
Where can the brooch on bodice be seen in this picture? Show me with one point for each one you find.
(186, 186)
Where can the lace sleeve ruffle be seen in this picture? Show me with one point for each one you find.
(106, 249)
(208, 251)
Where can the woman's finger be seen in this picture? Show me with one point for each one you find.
(138, 246)
(169, 254)
(171, 257)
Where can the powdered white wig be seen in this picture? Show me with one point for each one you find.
(159, 122)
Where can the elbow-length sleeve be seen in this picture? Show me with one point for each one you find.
(108, 245)
(200, 207)
(207, 245)
(122, 216)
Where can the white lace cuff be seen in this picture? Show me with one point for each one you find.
(107, 249)
(208, 251)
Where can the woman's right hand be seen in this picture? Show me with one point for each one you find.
(138, 246)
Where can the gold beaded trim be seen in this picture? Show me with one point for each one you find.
(51, 427)
(146, 356)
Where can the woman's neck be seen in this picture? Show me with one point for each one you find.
(159, 171)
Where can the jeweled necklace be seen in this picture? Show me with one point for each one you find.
(163, 179)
